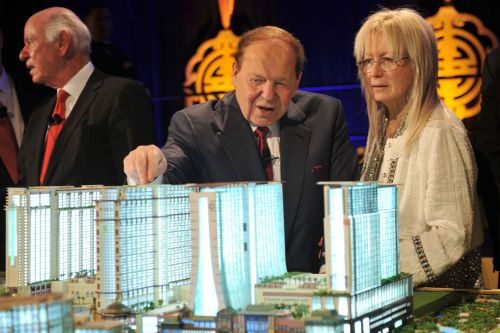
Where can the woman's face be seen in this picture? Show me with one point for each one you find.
(387, 78)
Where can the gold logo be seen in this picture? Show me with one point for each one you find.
(209, 71)
(461, 55)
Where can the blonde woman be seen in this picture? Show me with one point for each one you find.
(414, 141)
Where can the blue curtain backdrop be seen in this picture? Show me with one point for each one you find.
(160, 37)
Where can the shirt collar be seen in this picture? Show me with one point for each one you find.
(76, 84)
(274, 129)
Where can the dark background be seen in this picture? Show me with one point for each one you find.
(160, 37)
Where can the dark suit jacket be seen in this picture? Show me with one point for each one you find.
(212, 142)
(111, 117)
(488, 136)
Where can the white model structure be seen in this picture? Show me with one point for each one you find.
(144, 245)
(238, 238)
(50, 235)
(362, 258)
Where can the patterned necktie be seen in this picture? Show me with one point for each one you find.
(8, 146)
(56, 123)
(265, 153)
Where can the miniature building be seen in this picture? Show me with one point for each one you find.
(324, 321)
(235, 229)
(362, 258)
(262, 318)
(50, 235)
(291, 289)
(42, 313)
(144, 245)
(81, 290)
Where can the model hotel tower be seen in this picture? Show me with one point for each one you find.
(362, 257)
(238, 239)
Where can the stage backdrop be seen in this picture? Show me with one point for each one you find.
(160, 36)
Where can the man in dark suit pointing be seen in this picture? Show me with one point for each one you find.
(264, 130)
(81, 136)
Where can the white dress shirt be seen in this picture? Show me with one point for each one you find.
(75, 85)
(273, 141)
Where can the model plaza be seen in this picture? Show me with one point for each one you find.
(216, 251)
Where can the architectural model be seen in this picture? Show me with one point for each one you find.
(362, 258)
(51, 235)
(143, 244)
(131, 244)
(238, 238)
(134, 247)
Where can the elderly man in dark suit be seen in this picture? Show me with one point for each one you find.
(82, 136)
(488, 139)
(264, 130)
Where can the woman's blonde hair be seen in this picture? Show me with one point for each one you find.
(408, 35)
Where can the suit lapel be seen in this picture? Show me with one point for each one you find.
(82, 106)
(294, 147)
(238, 142)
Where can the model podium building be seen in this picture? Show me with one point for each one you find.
(362, 258)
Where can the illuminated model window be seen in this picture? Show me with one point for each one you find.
(235, 229)
(362, 257)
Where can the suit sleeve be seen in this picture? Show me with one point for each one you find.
(344, 161)
(130, 123)
(181, 152)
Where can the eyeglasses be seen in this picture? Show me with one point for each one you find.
(386, 64)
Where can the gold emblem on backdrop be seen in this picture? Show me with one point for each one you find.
(463, 42)
(209, 71)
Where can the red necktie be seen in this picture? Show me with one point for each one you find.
(8, 146)
(265, 153)
(55, 126)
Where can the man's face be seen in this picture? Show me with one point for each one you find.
(265, 81)
(40, 55)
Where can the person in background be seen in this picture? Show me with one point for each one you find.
(414, 141)
(11, 134)
(488, 140)
(265, 130)
(107, 57)
(81, 136)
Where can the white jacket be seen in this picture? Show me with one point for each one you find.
(436, 180)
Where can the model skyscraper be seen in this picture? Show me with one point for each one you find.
(238, 238)
(362, 257)
(144, 242)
